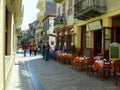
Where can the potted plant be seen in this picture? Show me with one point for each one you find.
(79, 53)
(72, 48)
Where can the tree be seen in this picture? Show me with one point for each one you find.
(72, 48)
(18, 30)
(58, 1)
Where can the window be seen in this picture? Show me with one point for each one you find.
(52, 42)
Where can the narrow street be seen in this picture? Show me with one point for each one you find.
(34, 73)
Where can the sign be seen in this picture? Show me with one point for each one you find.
(96, 25)
(114, 52)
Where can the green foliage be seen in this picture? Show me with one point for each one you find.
(72, 48)
(58, 1)
(18, 30)
(79, 53)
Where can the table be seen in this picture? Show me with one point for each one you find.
(98, 64)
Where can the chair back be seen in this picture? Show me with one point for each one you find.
(91, 60)
(117, 66)
(106, 64)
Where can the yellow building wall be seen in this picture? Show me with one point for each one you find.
(106, 21)
(10, 58)
(6, 62)
(2, 45)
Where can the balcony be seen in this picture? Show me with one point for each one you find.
(86, 9)
(39, 27)
(60, 20)
(40, 4)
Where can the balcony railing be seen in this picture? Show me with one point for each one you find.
(39, 27)
(86, 9)
(60, 20)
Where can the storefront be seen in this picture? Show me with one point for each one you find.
(95, 27)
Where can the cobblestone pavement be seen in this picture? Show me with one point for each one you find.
(50, 75)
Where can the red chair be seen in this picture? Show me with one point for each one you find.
(65, 59)
(89, 67)
(117, 71)
(106, 70)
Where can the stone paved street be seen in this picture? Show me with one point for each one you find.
(50, 75)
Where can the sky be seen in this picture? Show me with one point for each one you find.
(30, 12)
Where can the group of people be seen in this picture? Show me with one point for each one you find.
(32, 48)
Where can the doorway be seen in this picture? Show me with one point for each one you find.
(83, 38)
(97, 42)
(117, 33)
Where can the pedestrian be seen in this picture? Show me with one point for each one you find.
(43, 51)
(30, 49)
(47, 51)
(35, 50)
(24, 48)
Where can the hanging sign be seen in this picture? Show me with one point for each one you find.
(96, 25)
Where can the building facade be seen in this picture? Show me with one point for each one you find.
(11, 13)
(97, 25)
(46, 7)
(64, 23)
(48, 28)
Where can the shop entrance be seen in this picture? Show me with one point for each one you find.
(114, 36)
(116, 29)
(97, 42)
(83, 37)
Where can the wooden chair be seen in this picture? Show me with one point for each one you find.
(106, 70)
(72, 58)
(65, 59)
(89, 67)
(68, 61)
(74, 63)
(117, 71)
(61, 58)
(57, 57)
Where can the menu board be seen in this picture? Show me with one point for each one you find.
(114, 53)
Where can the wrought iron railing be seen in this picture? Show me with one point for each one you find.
(84, 6)
(60, 20)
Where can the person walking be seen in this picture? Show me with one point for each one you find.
(43, 51)
(35, 50)
(30, 49)
(24, 48)
(47, 51)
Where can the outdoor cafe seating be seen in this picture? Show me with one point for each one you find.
(102, 66)
(64, 58)
(78, 63)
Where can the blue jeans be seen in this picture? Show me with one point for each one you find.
(47, 55)
(25, 52)
(43, 54)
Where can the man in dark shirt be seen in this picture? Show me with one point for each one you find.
(25, 48)
(43, 51)
(47, 51)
